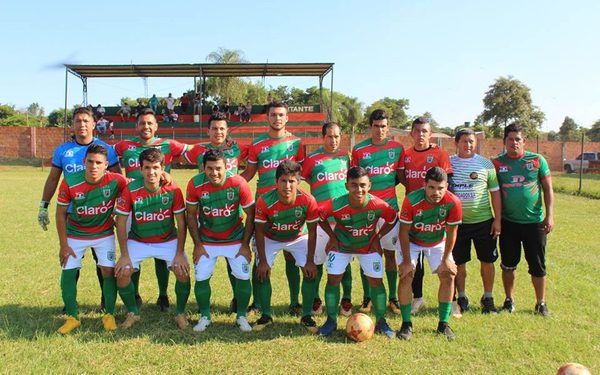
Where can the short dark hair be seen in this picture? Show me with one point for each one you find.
(463, 131)
(436, 174)
(144, 112)
(378, 114)
(287, 167)
(95, 148)
(514, 127)
(152, 155)
(356, 172)
(84, 111)
(212, 155)
(419, 121)
(217, 116)
(329, 125)
(277, 104)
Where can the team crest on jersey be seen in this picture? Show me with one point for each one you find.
(106, 192)
(165, 200)
(230, 194)
(298, 212)
(79, 195)
(245, 268)
(205, 195)
(430, 158)
(69, 153)
(391, 154)
(529, 166)
(228, 152)
(473, 176)
(442, 212)
(377, 266)
(367, 155)
(111, 255)
(290, 146)
(371, 215)
(503, 168)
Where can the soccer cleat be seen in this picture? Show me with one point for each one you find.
(252, 309)
(138, 301)
(346, 307)
(182, 321)
(509, 305)
(102, 307)
(366, 306)
(394, 306)
(163, 303)
(243, 325)
(384, 329)
(444, 329)
(130, 320)
(233, 306)
(542, 309)
(328, 328)
(456, 311)
(70, 324)
(295, 310)
(109, 322)
(203, 323)
(262, 323)
(317, 307)
(309, 323)
(463, 303)
(487, 305)
(417, 305)
(405, 332)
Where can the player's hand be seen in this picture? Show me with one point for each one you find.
(496, 228)
(332, 244)
(64, 253)
(310, 269)
(406, 269)
(43, 218)
(245, 252)
(447, 266)
(124, 266)
(166, 178)
(548, 224)
(263, 271)
(199, 252)
(180, 265)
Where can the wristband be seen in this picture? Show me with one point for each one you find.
(44, 204)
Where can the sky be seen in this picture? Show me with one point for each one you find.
(440, 55)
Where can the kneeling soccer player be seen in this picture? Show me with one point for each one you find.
(155, 207)
(356, 216)
(280, 220)
(91, 193)
(429, 222)
(215, 200)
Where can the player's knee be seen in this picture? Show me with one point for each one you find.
(107, 271)
(507, 268)
(446, 277)
(123, 281)
(375, 283)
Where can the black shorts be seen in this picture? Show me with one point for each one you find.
(479, 234)
(533, 237)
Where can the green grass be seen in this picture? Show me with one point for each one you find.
(569, 184)
(504, 344)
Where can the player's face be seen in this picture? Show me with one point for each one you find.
(331, 139)
(95, 166)
(277, 118)
(287, 186)
(83, 127)
(146, 127)
(215, 171)
(217, 133)
(421, 133)
(515, 144)
(435, 191)
(466, 145)
(152, 172)
(379, 130)
(358, 188)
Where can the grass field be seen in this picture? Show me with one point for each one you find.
(521, 343)
(569, 184)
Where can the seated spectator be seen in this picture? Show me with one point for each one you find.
(197, 103)
(215, 110)
(248, 111)
(173, 116)
(226, 108)
(100, 111)
(102, 125)
(185, 102)
(240, 111)
(139, 108)
(124, 111)
(165, 116)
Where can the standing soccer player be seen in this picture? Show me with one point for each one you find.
(129, 151)
(428, 225)
(91, 196)
(67, 159)
(473, 181)
(356, 215)
(418, 159)
(523, 175)
(325, 171)
(264, 155)
(383, 160)
(155, 208)
(215, 200)
(282, 216)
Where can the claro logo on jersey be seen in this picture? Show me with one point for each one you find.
(218, 212)
(133, 163)
(271, 164)
(97, 210)
(72, 168)
(287, 226)
(332, 176)
(422, 227)
(364, 231)
(384, 169)
(411, 173)
(145, 217)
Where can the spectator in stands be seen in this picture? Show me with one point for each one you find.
(270, 99)
(102, 125)
(248, 111)
(170, 100)
(226, 108)
(139, 108)
(215, 110)
(185, 102)
(165, 116)
(240, 111)
(153, 103)
(197, 103)
(100, 111)
(173, 116)
(124, 111)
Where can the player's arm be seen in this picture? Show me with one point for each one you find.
(191, 212)
(123, 266)
(448, 264)
(400, 177)
(497, 208)
(310, 269)
(116, 168)
(250, 171)
(548, 203)
(49, 189)
(262, 270)
(61, 227)
(248, 231)
(180, 263)
(405, 268)
(333, 242)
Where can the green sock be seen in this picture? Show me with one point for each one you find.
(392, 279)
(255, 295)
(109, 289)
(202, 291)
(68, 288)
(318, 280)
(135, 279)
(293, 277)
(308, 295)
(405, 310)
(444, 309)
(162, 276)
(242, 292)
(232, 279)
(264, 296)
(347, 283)
(365, 285)
(128, 296)
(332, 300)
(182, 293)
(379, 302)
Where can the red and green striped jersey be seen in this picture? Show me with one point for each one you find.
(152, 212)
(220, 207)
(418, 162)
(521, 184)
(356, 227)
(267, 153)
(284, 222)
(129, 151)
(325, 172)
(429, 221)
(382, 162)
(234, 154)
(92, 204)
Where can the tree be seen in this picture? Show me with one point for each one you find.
(569, 130)
(509, 100)
(594, 132)
(57, 117)
(395, 108)
(32, 116)
(226, 88)
(352, 114)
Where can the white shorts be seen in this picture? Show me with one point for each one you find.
(104, 248)
(239, 265)
(322, 239)
(390, 240)
(370, 263)
(433, 254)
(140, 251)
(297, 248)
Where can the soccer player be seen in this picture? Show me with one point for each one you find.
(155, 208)
(418, 159)
(281, 215)
(428, 224)
(129, 151)
(68, 158)
(215, 200)
(522, 176)
(356, 215)
(325, 171)
(264, 155)
(91, 196)
(383, 160)
(473, 181)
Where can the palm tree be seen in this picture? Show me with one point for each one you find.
(225, 86)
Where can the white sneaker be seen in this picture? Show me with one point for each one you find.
(203, 323)
(243, 325)
(456, 313)
(417, 305)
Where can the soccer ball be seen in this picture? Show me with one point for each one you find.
(359, 327)
(573, 369)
